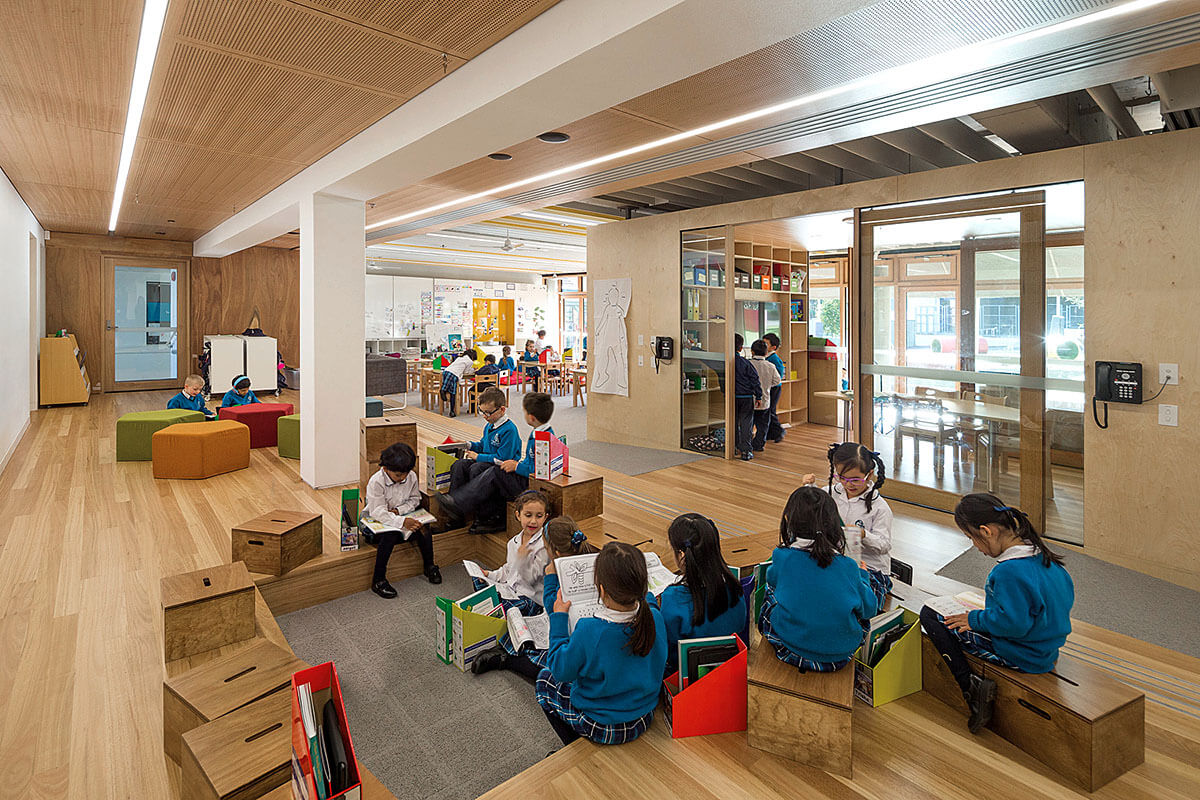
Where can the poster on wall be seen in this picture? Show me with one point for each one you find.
(610, 352)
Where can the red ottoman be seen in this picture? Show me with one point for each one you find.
(260, 418)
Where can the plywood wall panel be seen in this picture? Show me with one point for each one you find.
(226, 292)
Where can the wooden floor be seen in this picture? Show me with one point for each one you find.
(84, 542)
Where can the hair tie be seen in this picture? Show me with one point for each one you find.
(687, 544)
(578, 538)
(872, 452)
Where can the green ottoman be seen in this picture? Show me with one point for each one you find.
(374, 407)
(134, 430)
(287, 430)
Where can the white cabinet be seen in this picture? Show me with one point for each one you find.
(262, 364)
(252, 356)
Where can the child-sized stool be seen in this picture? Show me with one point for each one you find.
(201, 451)
(261, 418)
(287, 434)
(135, 429)
(374, 407)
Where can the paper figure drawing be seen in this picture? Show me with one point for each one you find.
(611, 372)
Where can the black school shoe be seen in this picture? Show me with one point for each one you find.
(383, 589)
(484, 526)
(454, 514)
(490, 659)
(433, 573)
(980, 697)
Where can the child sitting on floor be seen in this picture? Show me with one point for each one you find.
(240, 394)
(519, 579)
(817, 599)
(855, 477)
(602, 680)
(391, 493)
(708, 600)
(191, 398)
(1027, 613)
(562, 538)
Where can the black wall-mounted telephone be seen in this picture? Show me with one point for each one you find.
(664, 348)
(1116, 382)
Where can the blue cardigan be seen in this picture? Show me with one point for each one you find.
(232, 398)
(676, 604)
(1027, 612)
(608, 683)
(498, 444)
(196, 403)
(818, 612)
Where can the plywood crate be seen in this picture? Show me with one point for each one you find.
(277, 542)
(242, 755)
(206, 609)
(223, 685)
(577, 498)
(806, 717)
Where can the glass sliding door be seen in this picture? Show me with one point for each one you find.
(144, 322)
(954, 299)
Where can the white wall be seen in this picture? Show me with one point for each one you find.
(18, 342)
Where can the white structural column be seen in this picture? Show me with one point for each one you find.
(332, 309)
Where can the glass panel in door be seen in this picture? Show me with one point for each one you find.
(145, 324)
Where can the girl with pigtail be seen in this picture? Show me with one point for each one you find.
(708, 600)
(1027, 612)
(855, 476)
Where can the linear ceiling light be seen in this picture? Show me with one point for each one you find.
(153, 15)
(952, 62)
(565, 220)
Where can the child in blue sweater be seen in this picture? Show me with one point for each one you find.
(1027, 612)
(240, 394)
(602, 680)
(192, 397)
(817, 599)
(506, 363)
(562, 538)
(708, 601)
(489, 489)
(501, 441)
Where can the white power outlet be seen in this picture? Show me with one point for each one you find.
(1168, 374)
(1168, 415)
(641, 360)
(641, 340)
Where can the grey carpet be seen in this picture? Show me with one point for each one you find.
(422, 727)
(630, 460)
(1113, 597)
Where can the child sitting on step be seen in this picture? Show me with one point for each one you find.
(519, 579)
(1027, 611)
(817, 600)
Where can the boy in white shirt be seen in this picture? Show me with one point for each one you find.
(462, 367)
(768, 379)
(391, 493)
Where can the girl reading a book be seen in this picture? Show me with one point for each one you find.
(1027, 610)
(602, 680)
(519, 579)
(817, 600)
(855, 477)
(708, 600)
(562, 538)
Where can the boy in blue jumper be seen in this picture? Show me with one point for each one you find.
(488, 490)
(489, 366)
(746, 390)
(240, 394)
(501, 441)
(191, 398)
(602, 679)
(817, 599)
(1027, 611)
(775, 431)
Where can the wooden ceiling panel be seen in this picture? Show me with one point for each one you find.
(69, 62)
(408, 199)
(68, 208)
(464, 28)
(44, 151)
(319, 44)
(225, 102)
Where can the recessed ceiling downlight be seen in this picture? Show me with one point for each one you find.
(554, 137)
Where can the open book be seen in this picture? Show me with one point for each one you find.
(476, 571)
(577, 583)
(961, 603)
(523, 630)
(376, 527)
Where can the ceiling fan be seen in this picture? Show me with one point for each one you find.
(508, 245)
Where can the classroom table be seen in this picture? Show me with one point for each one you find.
(579, 385)
(846, 399)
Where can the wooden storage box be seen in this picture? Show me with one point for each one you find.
(278, 542)
(804, 716)
(937, 679)
(242, 755)
(214, 689)
(578, 498)
(206, 609)
(376, 434)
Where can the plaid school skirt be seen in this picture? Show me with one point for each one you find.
(525, 605)
(881, 584)
(781, 650)
(979, 644)
(449, 382)
(556, 697)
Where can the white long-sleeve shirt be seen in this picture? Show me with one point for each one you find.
(876, 525)
(462, 366)
(524, 576)
(384, 494)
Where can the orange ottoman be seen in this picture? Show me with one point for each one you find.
(211, 448)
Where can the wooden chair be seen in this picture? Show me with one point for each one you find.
(925, 419)
(481, 382)
(431, 384)
(556, 384)
(414, 376)
(579, 389)
(973, 431)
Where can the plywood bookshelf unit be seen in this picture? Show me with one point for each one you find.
(63, 377)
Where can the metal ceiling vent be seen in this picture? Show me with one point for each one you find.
(822, 127)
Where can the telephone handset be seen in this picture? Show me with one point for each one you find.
(1116, 382)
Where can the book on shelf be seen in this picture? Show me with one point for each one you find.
(349, 527)
(877, 626)
(698, 657)
(577, 583)
(308, 719)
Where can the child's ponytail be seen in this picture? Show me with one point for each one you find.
(976, 510)
(713, 588)
(621, 572)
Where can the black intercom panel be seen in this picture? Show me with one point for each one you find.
(1118, 382)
